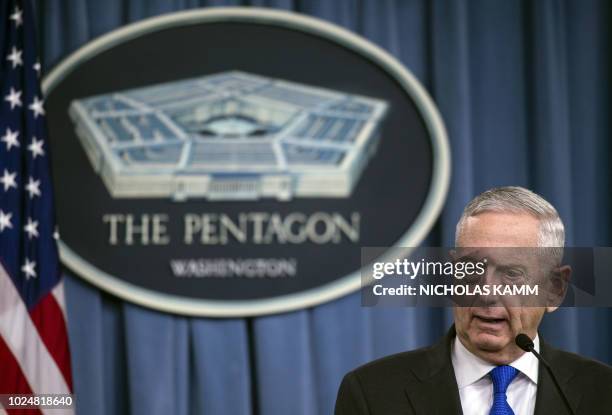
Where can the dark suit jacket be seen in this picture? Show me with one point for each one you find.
(422, 382)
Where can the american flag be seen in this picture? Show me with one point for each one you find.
(34, 355)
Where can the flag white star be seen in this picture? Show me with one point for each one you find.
(37, 107)
(15, 57)
(36, 148)
(17, 16)
(28, 269)
(33, 187)
(5, 220)
(14, 98)
(8, 180)
(10, 138)
(36, 67)
(31, 228)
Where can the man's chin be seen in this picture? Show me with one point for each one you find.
(489, 342)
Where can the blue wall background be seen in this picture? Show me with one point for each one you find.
(524, 88)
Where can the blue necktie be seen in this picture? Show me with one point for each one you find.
(502, 377)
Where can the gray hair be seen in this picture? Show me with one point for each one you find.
(518, 200)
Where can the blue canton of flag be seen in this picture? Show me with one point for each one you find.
(34, 356)
(27, 246)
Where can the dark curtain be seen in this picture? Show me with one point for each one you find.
(524, 89)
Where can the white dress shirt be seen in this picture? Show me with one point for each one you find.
(476, 387)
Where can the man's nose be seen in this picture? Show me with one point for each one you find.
(488, 279)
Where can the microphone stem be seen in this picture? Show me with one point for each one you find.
(554, 379)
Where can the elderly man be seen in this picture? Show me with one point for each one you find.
(477, 368)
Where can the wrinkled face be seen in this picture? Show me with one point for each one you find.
(488, 329)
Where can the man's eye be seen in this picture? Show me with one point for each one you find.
(514, 273)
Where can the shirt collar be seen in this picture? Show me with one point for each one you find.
(469, 368)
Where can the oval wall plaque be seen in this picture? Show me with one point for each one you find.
(232, 161)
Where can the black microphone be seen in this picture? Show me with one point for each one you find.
(524, 342)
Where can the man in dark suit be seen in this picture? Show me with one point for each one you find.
(477, 369)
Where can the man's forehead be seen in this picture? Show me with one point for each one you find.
(492, 229)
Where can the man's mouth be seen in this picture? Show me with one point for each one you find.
(489, 320)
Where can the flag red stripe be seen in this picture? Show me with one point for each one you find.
(48, 319)
(12, 380)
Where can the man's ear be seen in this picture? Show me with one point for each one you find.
(559, 281)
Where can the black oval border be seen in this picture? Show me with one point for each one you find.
(342, 286)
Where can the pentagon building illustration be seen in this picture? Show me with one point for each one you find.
(229, 136)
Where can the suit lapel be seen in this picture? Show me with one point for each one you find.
(548, 400)
(434, 390)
